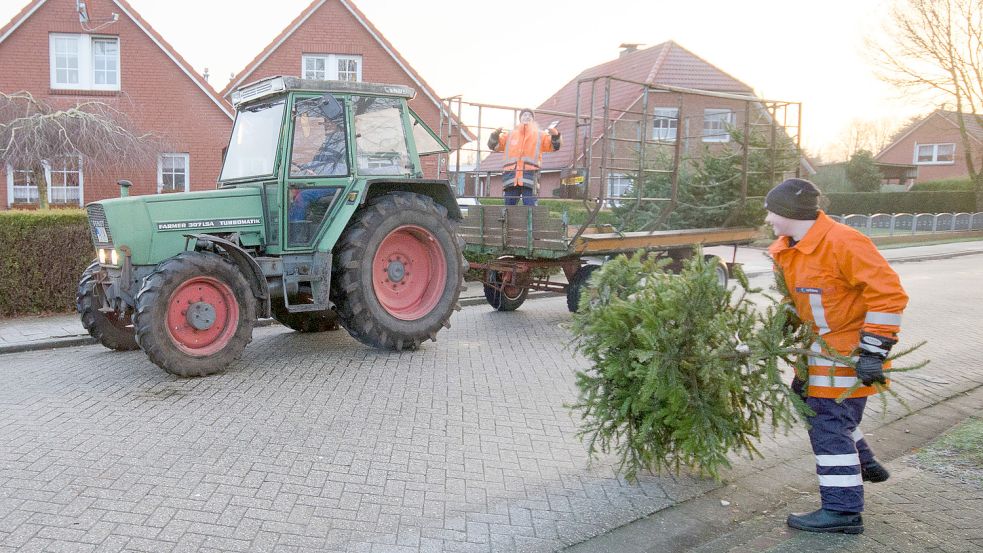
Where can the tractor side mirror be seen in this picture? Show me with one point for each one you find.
(330, 107)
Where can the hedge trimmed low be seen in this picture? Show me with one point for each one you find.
(42, 256)
(901, 202)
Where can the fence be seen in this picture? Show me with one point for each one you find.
(886, 224)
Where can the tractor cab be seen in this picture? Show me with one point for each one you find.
(313, 146)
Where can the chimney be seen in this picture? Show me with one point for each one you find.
(205, 75)
(627, 48)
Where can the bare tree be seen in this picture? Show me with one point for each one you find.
(936, 46)
(865, 134)
(33, 132)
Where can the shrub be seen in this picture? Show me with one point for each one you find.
(900, 202)
(948, 184)
(43, 255)
(862, 172)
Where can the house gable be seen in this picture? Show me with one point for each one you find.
(158, 90)
(938, 127)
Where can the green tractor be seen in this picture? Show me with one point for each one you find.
(322, 217)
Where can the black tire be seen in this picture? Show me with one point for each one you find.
(577, 284)
(365, 313)
(110, 330)
(508, 298)
(723, 274)
(306, 322)
(168, 286)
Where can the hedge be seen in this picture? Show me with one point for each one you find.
(42, 257)
(947, 184)
(900, 202)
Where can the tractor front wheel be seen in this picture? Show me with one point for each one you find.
(194, 314)
(110, 329)
(398, 272)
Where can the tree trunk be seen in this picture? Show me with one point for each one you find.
(42, 183)
(978, 187)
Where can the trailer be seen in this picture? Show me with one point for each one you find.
(624, 140)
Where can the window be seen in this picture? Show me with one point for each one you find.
(65, 181)
(320, 147)
(64, 176)
(23, 189)
(380, 140)
(665, 124)
(84, 62)
(332, 67)
(172, 173)
(935, 154)
(619, 186)
(716, 124)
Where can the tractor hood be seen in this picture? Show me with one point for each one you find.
(154, 228)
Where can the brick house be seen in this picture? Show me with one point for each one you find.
(332, 39)
(694, 120)
(70, 51)
(933, 147)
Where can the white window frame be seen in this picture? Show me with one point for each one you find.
(48, 173)
(712, 116)
(667, 133)
(935, 154)
(187, 170)
(331, 62)
(623, 183)
(85, 62)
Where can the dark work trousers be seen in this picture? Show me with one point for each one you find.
(840, 449)
(513, 193)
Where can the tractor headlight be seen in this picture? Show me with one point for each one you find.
(108, 256)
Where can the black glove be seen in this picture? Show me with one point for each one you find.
(792, 320)
(874, 350)
(555, 138)
(799, 387)
(493, 139)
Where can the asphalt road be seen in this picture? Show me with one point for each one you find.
(315, 442)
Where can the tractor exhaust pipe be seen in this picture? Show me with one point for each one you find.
(124, 188)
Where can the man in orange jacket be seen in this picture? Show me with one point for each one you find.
(841, 285)
(524, 147)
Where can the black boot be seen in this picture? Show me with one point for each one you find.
(874, 472)
(827, 521)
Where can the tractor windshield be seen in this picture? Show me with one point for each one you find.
(255, 136)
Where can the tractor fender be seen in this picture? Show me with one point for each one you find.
(439, 190)
(249, 266)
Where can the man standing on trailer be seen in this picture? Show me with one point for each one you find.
(844, 288)
(524, 147)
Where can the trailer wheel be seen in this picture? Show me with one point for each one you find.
(398, 272)
(723, 275)
(504, 298)
(194, 314)
(306, 322)
(109, 329)
(577, 285)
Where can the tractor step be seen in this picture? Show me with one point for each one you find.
(313, 271)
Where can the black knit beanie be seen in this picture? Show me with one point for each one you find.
(794, 199)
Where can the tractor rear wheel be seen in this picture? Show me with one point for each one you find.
(398, 272)
(194, 314)
(306, 322)
(109, 329)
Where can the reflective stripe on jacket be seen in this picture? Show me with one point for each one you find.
(523, 147)
(841, 284)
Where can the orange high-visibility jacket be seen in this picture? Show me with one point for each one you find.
(524, 147)
(841, 284)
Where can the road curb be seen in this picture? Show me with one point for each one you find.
(709, 520)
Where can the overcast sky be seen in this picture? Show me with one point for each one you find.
(518, 52)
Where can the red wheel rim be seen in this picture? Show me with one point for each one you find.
(214, 293)
(409, 272)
